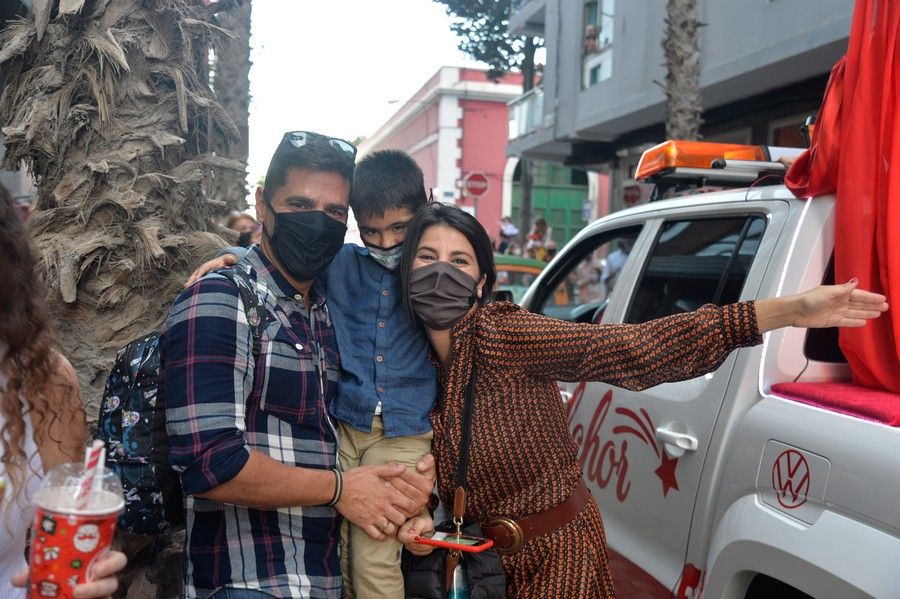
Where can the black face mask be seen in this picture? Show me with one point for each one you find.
(305, 243)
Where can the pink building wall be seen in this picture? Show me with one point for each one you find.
(413, 133)
(427, 159)
(484, 132)
(602, 196)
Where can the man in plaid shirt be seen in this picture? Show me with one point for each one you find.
(247, 414)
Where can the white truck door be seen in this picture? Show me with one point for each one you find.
(643, 452)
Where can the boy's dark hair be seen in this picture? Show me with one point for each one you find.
(316, 155)
(445, 214)
(387, 179)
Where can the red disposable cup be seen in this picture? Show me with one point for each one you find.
(69, 533)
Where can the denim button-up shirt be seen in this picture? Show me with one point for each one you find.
(383, 357)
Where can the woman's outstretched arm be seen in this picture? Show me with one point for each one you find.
(668, 349)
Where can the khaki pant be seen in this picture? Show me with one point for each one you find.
(371, 568)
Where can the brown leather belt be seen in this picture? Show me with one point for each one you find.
(510, 535)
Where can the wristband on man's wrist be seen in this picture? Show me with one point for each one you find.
(338, 487)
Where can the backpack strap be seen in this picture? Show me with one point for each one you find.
(257, 313)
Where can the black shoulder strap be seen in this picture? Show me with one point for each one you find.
(462, 468)
(252, 304)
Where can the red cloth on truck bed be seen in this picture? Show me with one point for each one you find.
(846, 398)
(855, 152)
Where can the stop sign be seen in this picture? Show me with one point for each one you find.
(475, 184)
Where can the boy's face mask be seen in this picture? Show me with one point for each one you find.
(387, 257)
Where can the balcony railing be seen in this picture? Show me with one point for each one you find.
(526, 113)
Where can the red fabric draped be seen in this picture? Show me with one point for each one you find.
(814, 173)
(854, 146)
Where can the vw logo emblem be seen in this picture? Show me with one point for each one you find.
(790, 479)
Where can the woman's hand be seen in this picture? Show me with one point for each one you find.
(104, 584)
(214, 264)
(821, 307)
(415, 526)
(839, 306)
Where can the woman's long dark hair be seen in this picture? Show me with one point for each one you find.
(28, 362)
(437, 213)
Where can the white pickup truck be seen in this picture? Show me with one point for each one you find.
(721, 486)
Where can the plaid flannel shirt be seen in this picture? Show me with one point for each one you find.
(219, 406)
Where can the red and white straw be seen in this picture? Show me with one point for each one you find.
(94, 460)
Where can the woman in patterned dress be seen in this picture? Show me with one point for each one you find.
(522, 458)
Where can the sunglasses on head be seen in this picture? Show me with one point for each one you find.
(298, 139)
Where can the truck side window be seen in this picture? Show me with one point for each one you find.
(696, 262)
(582, 285)
(822, 344)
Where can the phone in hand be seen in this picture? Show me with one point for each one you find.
(451, 540)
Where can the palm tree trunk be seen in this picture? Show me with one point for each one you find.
(681, 46)
(232, 87)
(103, 103)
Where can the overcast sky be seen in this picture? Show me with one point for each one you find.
(334, 66)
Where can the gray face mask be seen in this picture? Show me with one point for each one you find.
(387, 257)
(441, 294)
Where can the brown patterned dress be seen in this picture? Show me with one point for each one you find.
(522, 457)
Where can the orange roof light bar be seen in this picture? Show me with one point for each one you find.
(692, 154)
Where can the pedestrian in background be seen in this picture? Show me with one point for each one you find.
(248, 228)
(508, 234)
(538, 241)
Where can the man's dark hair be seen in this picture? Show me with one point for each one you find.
(451, 216)
(316, 155)
(387, 179)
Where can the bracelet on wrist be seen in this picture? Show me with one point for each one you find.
(338, 487)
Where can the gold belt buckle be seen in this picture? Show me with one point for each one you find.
(515, 534)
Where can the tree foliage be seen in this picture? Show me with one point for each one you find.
(482, 27)
(483, 30)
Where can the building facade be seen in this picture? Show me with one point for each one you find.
(456, 126)
(764, 66)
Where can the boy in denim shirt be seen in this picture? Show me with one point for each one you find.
(387, 386)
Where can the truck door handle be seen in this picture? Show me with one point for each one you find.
(676, 442)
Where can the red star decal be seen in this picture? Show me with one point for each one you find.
(666, 473)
